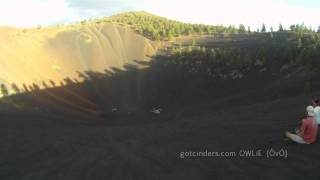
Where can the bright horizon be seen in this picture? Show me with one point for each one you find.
(31, 13)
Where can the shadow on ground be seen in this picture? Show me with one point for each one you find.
(102, 128)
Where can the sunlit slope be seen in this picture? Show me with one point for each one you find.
(37, 55)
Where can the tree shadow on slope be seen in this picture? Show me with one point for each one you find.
(167, 82)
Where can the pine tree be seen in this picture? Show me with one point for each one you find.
(263, 29)
(193, 43)
(242, 28)
(299, 43)
(293, 27)
(156, 36)
(249, 29)
(4, 90)
(188, 32)
(203, 50)
(280, 28)
(213, 55)
(169, 35)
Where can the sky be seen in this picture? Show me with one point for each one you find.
(30, 13)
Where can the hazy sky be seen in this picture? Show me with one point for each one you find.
(26, 13)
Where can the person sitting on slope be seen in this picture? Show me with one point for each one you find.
(308, 131)
(316, 105)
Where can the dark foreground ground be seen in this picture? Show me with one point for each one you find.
(143, 146)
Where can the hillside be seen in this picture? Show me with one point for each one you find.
(54, 53)
(159, 28)
(43, 55)
(217, 91)
(72, 132)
